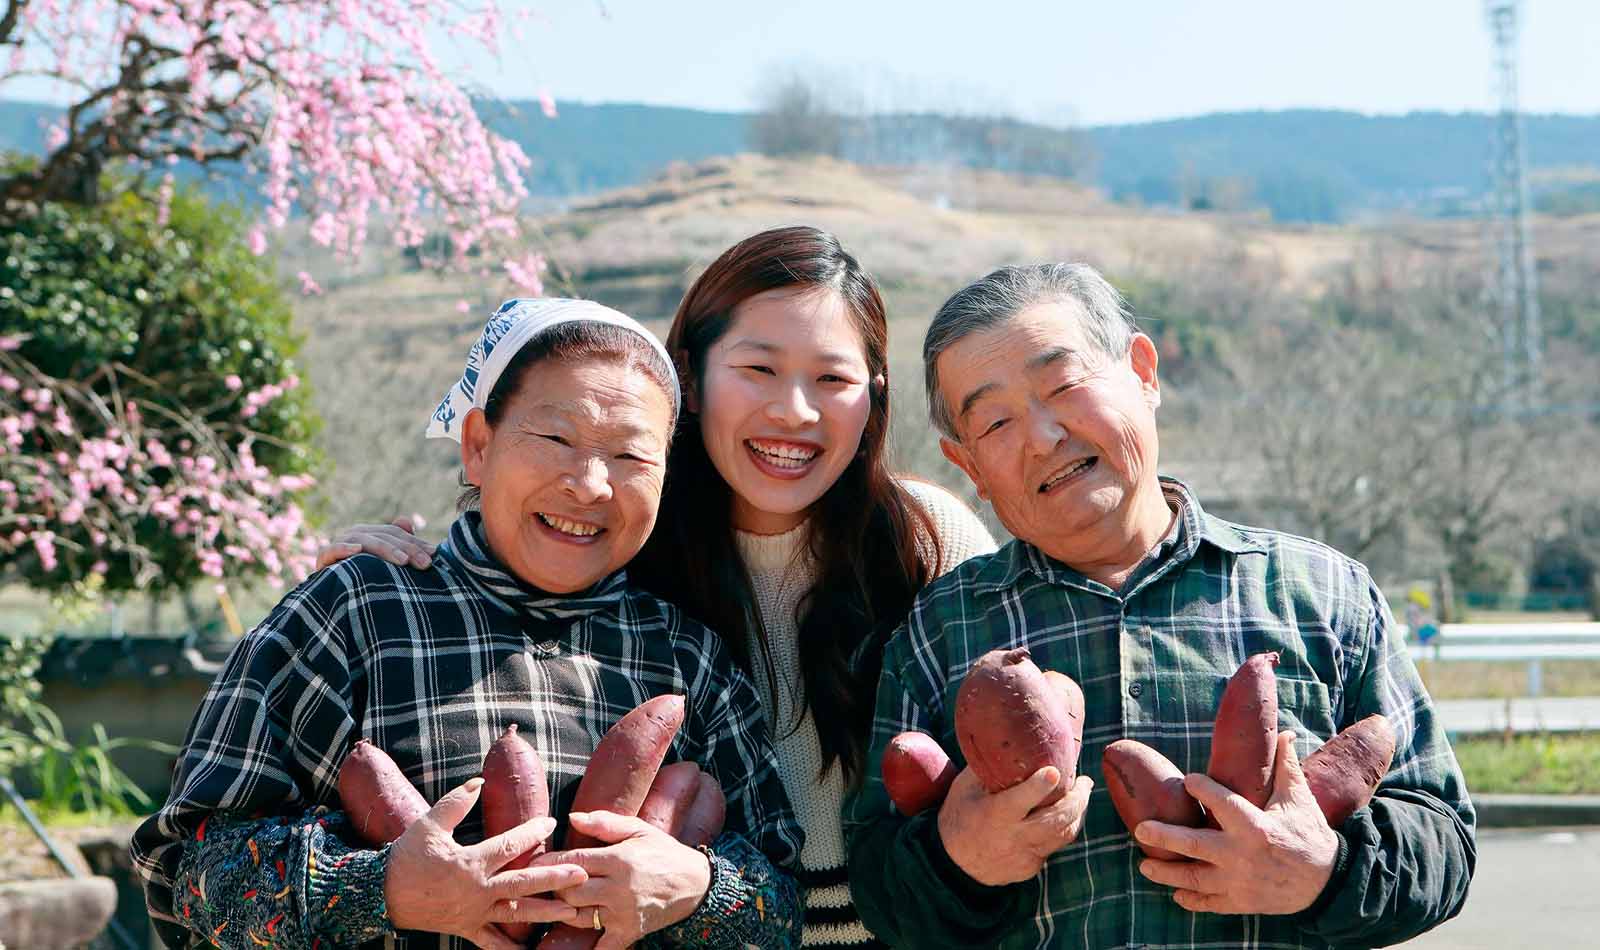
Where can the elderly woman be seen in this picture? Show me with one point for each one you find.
(564, 415)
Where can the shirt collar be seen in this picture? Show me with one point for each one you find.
(468, 547)
(1192, 528)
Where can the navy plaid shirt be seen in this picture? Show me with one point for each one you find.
(432, 666)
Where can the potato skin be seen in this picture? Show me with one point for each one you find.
(667, 803)
(1244, 739)
(621, 771)
(1345, 772)
(514, 790)
(1011, 721)
(1144, 786)
(704, 819)
(381, 803)
(625, 763)
(916, 772)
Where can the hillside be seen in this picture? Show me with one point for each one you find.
(384, 342)
(1300, 165)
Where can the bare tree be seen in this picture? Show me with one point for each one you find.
(796, 118)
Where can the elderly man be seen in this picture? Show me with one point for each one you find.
(1046, 396)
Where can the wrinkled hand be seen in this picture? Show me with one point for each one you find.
(395, 542)
(437, 885)
(642, 879)
(1005, 837)
(1272, 860)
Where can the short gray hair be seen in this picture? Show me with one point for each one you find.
(1000, 295)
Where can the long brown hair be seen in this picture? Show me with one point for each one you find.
(874, 544)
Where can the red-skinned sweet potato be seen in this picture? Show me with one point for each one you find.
(1244, 739)
(1012, 721)
(706, 816)
(667, 803)
(514, 790)
(621, 770)
(916, 772)
(1144, 786)
(381, 803)
(1345, 772)
(625, 763)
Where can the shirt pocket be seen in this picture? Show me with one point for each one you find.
(1305, 707)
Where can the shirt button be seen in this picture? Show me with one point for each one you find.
(1136, 690)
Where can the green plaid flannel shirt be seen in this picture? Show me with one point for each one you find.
(1152, 660)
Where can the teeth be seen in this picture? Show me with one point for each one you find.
(575, 528)
(1066, 474)
(784, 456)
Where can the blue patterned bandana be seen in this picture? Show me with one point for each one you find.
(517, 322)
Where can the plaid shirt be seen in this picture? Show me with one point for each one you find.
(1153, 659)
(432, 666)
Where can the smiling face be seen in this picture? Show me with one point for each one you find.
(1059, 437)
(570, 477)
(783, 400)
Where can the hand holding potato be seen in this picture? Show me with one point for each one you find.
(437, 885)
(1272, 860)
(1005, 837)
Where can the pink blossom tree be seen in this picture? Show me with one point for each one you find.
(127, 472)
(341, 108)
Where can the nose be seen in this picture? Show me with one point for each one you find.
(793, 407)
(1045, 431)
(590, 483)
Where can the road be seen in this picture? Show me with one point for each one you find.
(1533, 888)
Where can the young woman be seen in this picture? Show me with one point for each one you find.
(781, 526)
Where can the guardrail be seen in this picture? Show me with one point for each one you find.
(1532, 643)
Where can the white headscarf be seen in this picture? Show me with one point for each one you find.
(516, 322)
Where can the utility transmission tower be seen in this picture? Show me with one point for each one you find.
(1516, 281)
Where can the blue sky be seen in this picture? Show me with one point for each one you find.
(1059, 59)
(1052, 60)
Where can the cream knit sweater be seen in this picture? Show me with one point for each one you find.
(781, 572)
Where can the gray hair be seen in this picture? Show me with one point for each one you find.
(1000, 295)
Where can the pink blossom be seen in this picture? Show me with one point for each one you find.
(547, 104)
(257, 241)
(307, 285)
(233, 382)
(11, 342)
(463, 307)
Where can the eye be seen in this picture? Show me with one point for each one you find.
(553, 438)
(833, 378)
(993, 426)
(757, 368)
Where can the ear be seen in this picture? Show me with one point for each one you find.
(1142, 355)
(962, 459)
(475, 437)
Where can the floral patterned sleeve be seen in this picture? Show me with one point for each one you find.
(288, 882)
(749, 904)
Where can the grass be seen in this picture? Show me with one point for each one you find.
(1544, 764)
(1471, 680)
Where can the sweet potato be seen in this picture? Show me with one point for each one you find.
(1011, 721)
(705, 817)
(620, 773)
(916, 772)
(1145, 785)
(1345, 772)
(1244, 739)
(514, 790)
(667, 803)
(381, 803)
(625, 763)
